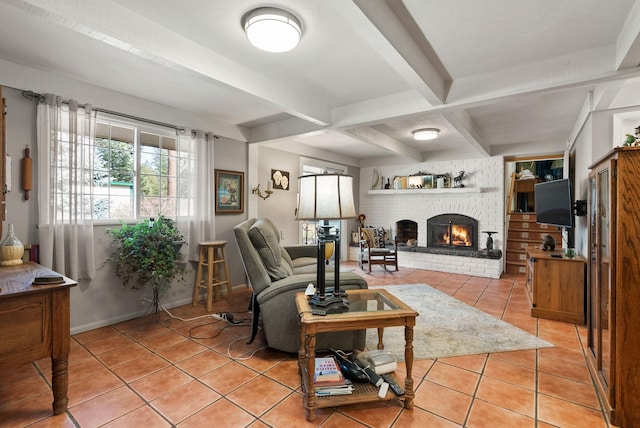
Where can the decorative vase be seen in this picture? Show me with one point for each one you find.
(11, 249)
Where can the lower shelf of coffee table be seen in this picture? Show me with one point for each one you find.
(362, 393)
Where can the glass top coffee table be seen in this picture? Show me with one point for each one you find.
(370, 308)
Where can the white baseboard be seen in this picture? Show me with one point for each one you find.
(124, 317)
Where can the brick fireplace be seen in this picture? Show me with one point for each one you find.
(383, 208)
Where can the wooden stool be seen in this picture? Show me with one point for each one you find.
(211, 255)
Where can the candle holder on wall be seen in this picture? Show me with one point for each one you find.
(256, 190)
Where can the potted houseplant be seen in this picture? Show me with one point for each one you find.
(147, 254)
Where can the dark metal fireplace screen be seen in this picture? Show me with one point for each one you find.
(406, 230)
(452, 231)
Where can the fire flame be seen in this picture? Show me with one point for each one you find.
(461, 236)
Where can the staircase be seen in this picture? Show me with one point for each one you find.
(522, 232)
(522, 229)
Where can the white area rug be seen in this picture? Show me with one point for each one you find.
(447, 327)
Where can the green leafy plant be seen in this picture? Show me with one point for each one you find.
(147, 254)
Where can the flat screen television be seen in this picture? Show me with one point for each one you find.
(554, 204)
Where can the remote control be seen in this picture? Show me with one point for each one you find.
(393, 385)
(382, 392)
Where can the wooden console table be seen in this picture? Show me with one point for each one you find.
(368, 308)
(35, 323)
(556, 285)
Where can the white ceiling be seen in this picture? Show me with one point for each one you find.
(498, 77)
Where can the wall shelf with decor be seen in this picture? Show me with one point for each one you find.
(425, 191)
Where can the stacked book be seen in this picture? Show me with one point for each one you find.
(329, 380)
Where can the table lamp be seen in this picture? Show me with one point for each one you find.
(326, 197)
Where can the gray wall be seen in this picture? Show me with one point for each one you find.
(21, 130)
(230, 155)
(281, 205)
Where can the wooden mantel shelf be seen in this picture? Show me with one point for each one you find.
(425, 191)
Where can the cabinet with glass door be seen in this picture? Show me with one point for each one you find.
(614, 284)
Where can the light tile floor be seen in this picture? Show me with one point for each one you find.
(199, 373)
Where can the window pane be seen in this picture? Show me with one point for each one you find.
(150, 163)
(168, 186)
(149, 207)
(101, 208)
(121, 207)
(168, 207)
(134, 173)
(150, 185)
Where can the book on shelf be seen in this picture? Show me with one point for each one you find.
(344, 389)
(328, 378)
(327, 370)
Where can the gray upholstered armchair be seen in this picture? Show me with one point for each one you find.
(276, 275)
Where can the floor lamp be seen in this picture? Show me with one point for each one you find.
(326, 197)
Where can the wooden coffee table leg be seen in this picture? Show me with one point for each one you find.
(310, 344)
(380, 338)
(302, 352)
(408, 362)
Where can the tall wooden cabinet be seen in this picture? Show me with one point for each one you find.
(613, 319)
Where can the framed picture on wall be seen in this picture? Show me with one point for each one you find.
(280, 179)
(229, 192)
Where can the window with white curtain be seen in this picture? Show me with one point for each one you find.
(137, 170)
(101, 167)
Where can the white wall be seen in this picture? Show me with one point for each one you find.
(583, 158)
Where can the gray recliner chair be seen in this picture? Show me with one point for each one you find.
(276, 274)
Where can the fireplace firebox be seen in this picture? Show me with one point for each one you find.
(454, 231)
(406, 230)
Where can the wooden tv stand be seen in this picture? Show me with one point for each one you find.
(556, 285)
(35, 324)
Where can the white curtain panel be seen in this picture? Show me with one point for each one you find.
(201, 224)
(65, 133)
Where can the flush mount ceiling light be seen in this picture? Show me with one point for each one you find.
(271, 29)
(425, 134)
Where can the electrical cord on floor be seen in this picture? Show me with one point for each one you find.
(230, 344)
(177, 317)
(220, 316)
(243, 358)
(225, 316)
(208, 337)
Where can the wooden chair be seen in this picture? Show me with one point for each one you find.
(377, 249)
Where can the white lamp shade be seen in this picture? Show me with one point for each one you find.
(271, 29)
(325, 197)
